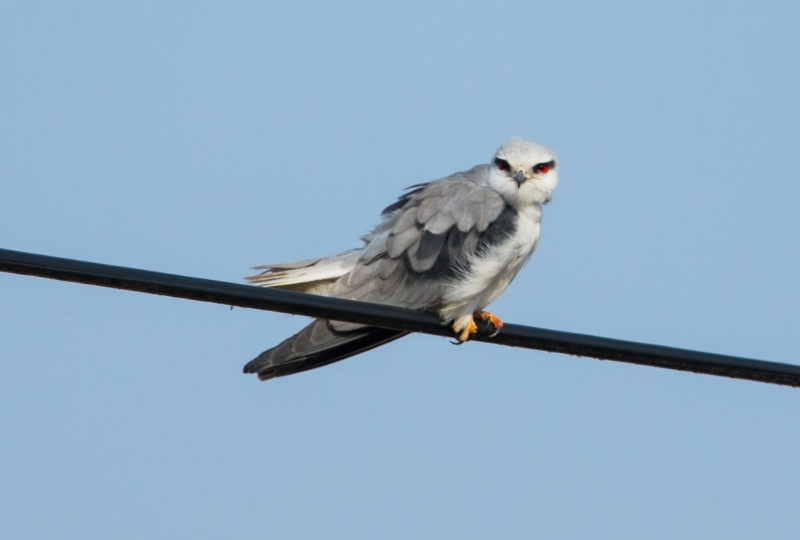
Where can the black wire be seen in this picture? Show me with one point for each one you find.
(248, 296)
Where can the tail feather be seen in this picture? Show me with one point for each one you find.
(317, 345)
(314, 276)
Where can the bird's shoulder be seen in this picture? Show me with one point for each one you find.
(434, 203)
(426, 239)
(455, 211)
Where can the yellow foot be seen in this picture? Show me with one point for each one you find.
(486, 316)
(464, 329)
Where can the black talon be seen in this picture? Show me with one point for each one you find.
(486, 327)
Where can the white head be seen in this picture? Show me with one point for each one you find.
(524, 173)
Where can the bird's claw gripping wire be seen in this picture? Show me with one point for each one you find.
(481, 322)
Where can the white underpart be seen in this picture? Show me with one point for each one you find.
(491, 272)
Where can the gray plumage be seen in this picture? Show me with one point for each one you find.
(426, 242)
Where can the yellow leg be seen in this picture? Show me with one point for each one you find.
(464, 327)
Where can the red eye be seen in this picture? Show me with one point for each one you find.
(542, 168)
(502, 164)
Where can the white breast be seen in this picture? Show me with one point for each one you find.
(491, 273)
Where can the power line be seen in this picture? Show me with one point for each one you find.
(248, 296)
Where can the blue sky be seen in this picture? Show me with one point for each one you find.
(203, 139)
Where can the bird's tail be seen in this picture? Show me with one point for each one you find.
(320, 343)
(314, 276)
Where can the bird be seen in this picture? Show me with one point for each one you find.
(450, 246)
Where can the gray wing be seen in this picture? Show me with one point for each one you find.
(426, 238)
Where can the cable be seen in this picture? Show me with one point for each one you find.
(248, 296)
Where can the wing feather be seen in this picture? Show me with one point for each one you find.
(401, 242)
(427, 253)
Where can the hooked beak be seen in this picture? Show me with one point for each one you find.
(519, 178)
